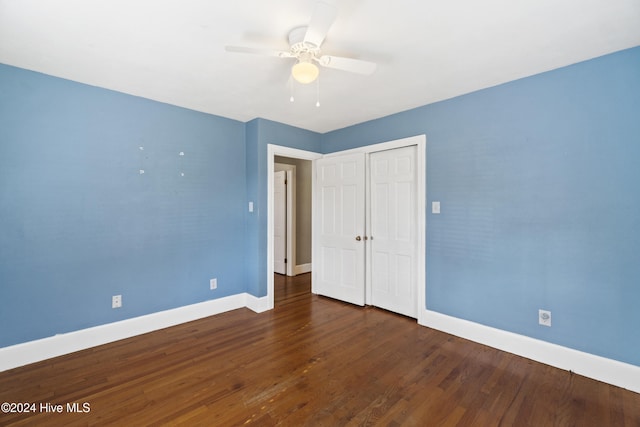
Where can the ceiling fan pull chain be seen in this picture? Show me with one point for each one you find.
(291, 99)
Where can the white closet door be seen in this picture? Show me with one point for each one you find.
(340, 206)
(279, 222)
(393, 230)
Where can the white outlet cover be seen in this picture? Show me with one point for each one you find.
(435, 207)
(116, 301)
(213, 284)
(544, 317)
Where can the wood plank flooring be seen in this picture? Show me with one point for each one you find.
(311, 361)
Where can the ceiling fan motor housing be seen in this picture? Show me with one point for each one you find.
(300, 49)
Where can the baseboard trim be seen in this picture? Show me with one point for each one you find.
(302, 268)
(58, 345)
(257, 304)
(599, 368)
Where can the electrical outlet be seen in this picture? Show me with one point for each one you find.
(544, 317)
(213, 284)
(116, 301)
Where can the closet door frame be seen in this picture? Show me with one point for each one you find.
(421, 198)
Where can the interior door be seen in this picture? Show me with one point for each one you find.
(340, 200)
(393, 230)
(279, 222)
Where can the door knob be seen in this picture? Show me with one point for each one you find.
(358, 238)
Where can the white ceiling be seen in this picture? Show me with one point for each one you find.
(173, 50)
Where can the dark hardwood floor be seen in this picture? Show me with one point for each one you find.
(310, 361)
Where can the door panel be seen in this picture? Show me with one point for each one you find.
(393, 230)
(341, 198)
(279, 222)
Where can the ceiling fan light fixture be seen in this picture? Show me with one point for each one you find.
(305, 72)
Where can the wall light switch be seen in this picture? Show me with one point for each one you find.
(435, 207)
(250, 206)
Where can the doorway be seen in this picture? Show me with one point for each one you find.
(301, 253)
(297, 209)
(419, 281)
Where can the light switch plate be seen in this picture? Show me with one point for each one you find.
(435, 207)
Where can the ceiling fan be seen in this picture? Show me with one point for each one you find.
(305, 43)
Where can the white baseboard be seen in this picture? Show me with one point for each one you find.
(256, 304)
(599, 368)
(46, 348)
(302, 268)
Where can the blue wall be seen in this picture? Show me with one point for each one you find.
(79, 223)
(539, 181)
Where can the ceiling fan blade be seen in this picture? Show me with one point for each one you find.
(348, 64)
(259, 51)
(321, 21)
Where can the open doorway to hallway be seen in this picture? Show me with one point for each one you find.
(292, 249)
(301, 211)
(293, 153)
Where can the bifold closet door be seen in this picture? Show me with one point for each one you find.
(340, 257)
(393, 230)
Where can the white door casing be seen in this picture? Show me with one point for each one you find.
(279, 222)
(339, 261)
(393, 230)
